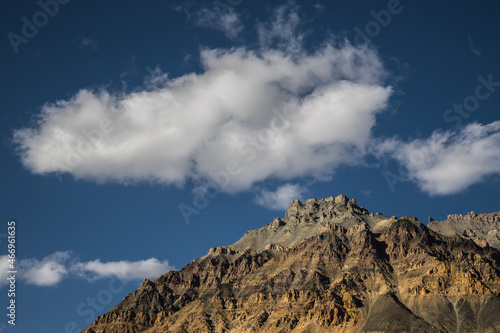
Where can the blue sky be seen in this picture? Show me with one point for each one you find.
(137, 135)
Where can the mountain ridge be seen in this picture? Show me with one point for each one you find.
(484, 228)
(328, 266)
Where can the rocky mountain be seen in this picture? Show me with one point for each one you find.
(328, 266)
(484, 229)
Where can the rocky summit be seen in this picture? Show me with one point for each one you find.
(330, 266)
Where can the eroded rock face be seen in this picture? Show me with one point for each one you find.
(328, 266)
(484, 229)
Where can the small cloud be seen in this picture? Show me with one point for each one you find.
(47, 272)
(449, 162)
(123, 270)
(155, 79)
(187, 59)
(319, 6)
(228, 21)
(85, 42)
(473, 49)
(281, 198)
(61, 265)
(319, 10)
(366, 193)
(183, 9)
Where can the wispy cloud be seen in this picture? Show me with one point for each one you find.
(283, 30)
(61, 265)
(86, 42)
(227, 21)
(319, 7)
(449, 162)
(472, 48)
(280, 198)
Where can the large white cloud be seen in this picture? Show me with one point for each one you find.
(451, 161)
(195, 124)
(277, 111)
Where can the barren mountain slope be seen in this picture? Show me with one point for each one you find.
(481, 228)
(328, 266)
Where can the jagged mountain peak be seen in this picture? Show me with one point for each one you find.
(330, 202)
(303, 220)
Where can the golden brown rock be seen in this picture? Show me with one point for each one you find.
(328, 266)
